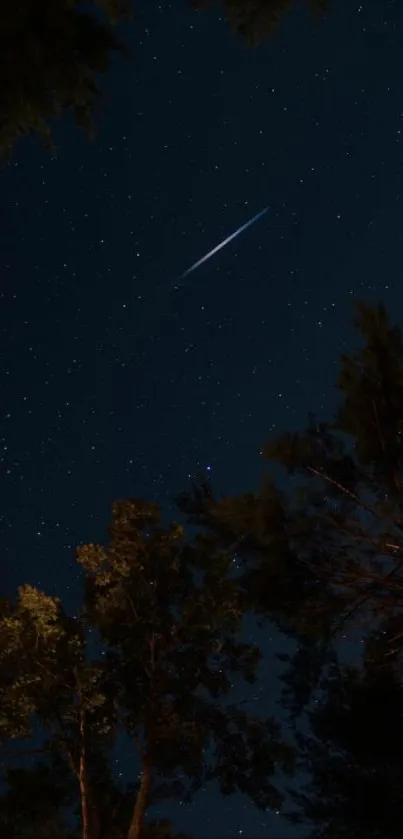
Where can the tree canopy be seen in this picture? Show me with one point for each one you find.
(256, 20)
(319, 556)
(327, 554)
(168, 619)
(53, 55)
(353, 752)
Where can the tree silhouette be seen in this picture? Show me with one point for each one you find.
(49, 685)
(51, 54)
(171, 616)
(36, 801)
(168, 618)
(256, 20)
(326, 552)
(353, 752)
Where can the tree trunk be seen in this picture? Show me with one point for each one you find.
(140, 807)
(85, 805)
(90, 822)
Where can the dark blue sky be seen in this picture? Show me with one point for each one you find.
(118, 385)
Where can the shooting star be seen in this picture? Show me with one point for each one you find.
(223, 243)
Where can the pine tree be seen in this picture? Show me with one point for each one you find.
(353, 752)
(325, 551)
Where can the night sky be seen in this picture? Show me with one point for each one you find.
(119, 384)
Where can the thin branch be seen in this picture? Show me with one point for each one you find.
(365, 598)
(344, 490)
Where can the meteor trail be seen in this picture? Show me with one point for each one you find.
(224, 242)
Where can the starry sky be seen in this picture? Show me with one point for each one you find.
(115, 381)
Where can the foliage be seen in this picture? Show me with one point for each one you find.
(34, 802)
(351, 472)
(326, 553)
(51, 56)
(353, 752)
(256, 20)
(169, 619)
(50, 687)
(318, 556)
(171, 615)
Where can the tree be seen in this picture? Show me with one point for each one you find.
(51, 56)
(167, 617)
(49, 686)
(326, 552)
(353, 752)
(256, 20)
(171, 616)
(34, 802)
